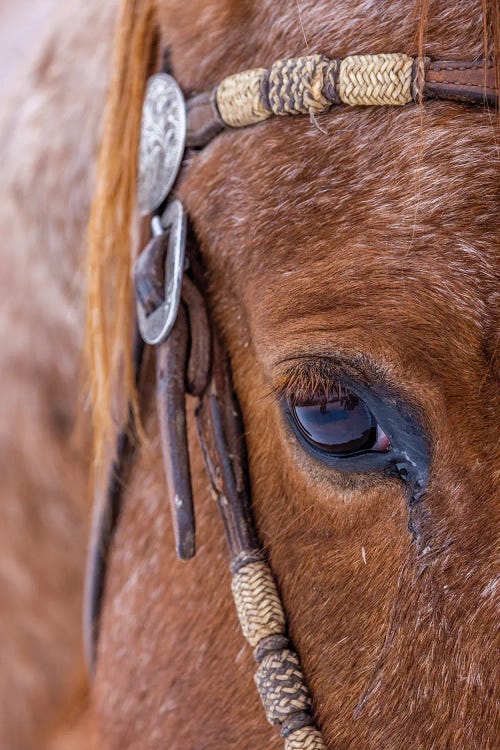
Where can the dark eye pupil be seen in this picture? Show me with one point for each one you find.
(338, 425)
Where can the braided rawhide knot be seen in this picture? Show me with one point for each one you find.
(257, 602)
(280, 682)
(239, 99)
(376, 79)
(296, 86)
(279, 676)
(305, 738)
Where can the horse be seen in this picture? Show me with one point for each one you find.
(350, 258)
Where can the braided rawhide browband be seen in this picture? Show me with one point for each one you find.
(312, 84)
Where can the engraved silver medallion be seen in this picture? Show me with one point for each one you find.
(163, 138)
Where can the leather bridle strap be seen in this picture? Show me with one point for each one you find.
(314, 84)
(192, 360)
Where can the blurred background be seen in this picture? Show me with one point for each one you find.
(54, 62)
(22, 26)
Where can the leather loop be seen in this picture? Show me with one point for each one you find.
(203, 120)
(198, 366)
(220, 434)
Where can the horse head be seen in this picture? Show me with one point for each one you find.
(351, 269)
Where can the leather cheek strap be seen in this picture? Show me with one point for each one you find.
(203, 120)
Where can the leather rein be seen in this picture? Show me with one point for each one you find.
(172, 317)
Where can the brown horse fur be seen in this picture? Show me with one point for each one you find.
(377, 238)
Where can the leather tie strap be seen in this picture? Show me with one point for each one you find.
(472, 82)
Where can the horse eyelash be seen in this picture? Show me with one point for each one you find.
(300, 386)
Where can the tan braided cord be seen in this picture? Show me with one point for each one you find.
(296, 86)
(312, 84)
(376, 79)
(279, 677)
(305, 738)
(239, 99)
(257, 602)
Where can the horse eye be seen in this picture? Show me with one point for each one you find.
(341, 425)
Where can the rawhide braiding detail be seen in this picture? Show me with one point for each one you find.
(373, 80)
(299, 85)
(313, 84)
(239, 99)
(257, 600)
(306, 738)
(279, 678)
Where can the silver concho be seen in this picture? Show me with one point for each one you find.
(163, 138)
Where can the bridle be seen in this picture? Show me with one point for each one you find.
(173, 317)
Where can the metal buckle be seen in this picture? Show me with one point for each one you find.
(156, 326)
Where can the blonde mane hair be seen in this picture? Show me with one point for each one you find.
(113, 221)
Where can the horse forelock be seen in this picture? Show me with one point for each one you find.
(113, 225)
